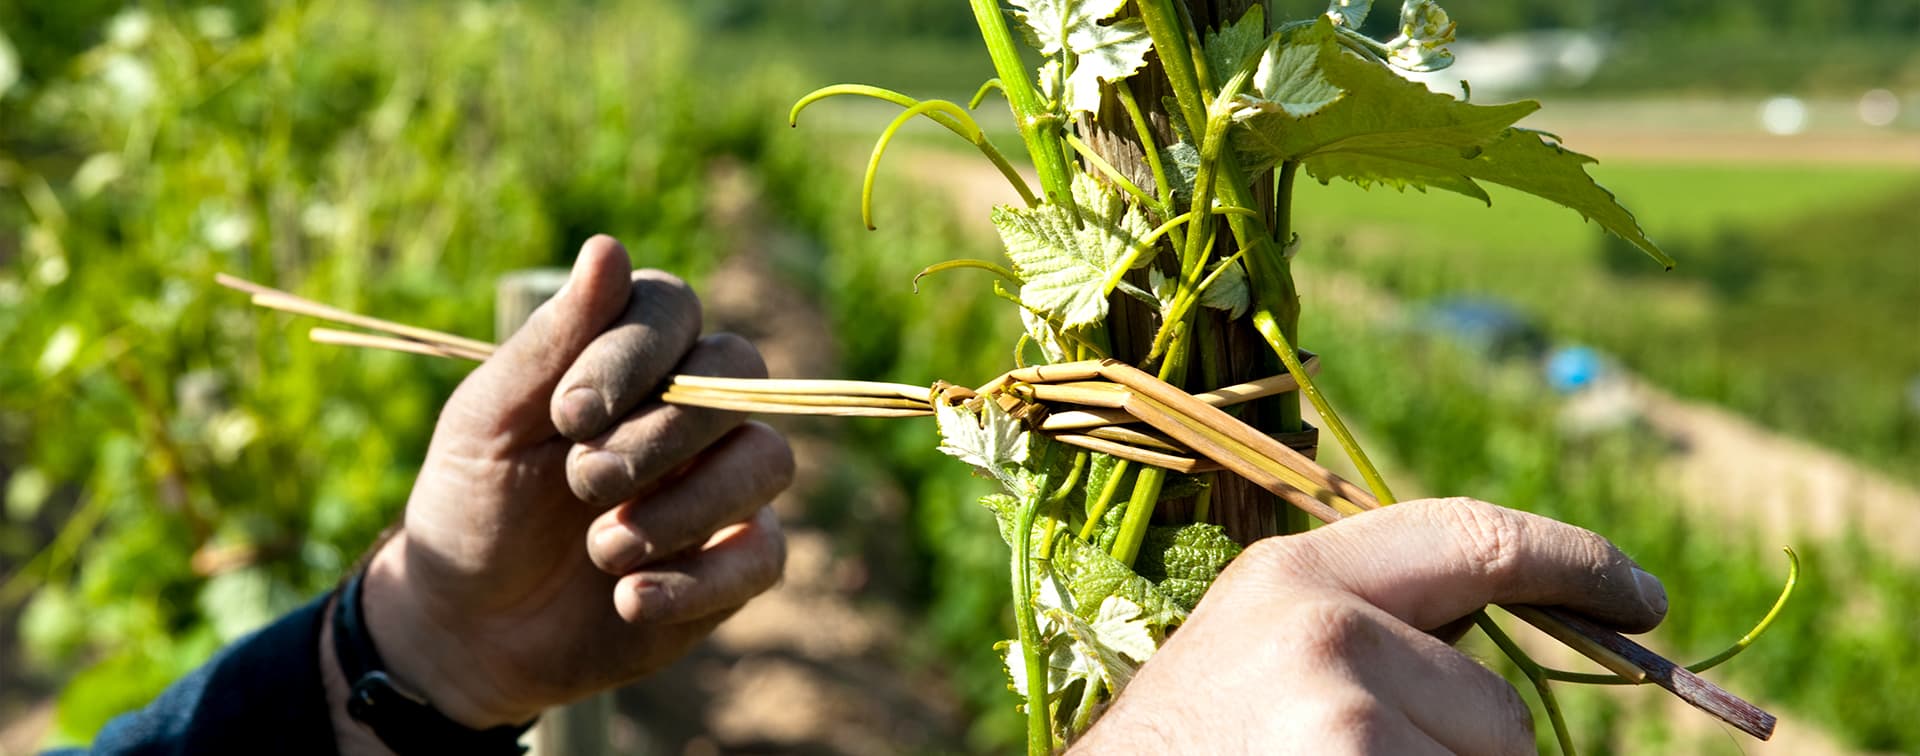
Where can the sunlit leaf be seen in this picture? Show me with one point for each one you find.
(1101, 52)
(1229, 48)
(989, 439)
(1065, 253)
(1380, 111)
(1288, 79)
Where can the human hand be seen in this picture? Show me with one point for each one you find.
(565, 534)
(1326, 642)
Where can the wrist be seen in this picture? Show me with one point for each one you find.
(426, 655)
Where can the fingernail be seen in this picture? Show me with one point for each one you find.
(1652, 592)
(597, 477)
(650, 598)
(584, 412)
(618, 549)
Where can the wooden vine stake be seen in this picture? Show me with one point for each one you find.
(1224, 351)
(579, 728)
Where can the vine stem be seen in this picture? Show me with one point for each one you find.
(1144, 133)
(1106, 169)
(1039, 725)
(1270, 328)
(1049, 157)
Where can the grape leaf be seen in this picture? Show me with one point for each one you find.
(1006, 511)
(989, 439)
(1091, 575)
(1228, 49)
(1183, 561)
(1109, 648)
(1425, 32)
(1393, 131)
(1380, 110)
(1164, 290)
(1122, 626)
(1064, 253)
(1110, 52)
(1183, 160)
(1229, 291)
(1288, 79)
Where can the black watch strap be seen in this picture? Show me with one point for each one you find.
(403, 719)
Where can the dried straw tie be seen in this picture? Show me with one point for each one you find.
(1090, 405)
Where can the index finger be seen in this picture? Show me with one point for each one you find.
(1431, 562)
(623, 365)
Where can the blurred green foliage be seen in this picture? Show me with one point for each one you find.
(180, 467)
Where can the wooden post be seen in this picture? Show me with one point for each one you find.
(580, 728)
(1224, 351)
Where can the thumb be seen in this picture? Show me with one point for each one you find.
(504, 403)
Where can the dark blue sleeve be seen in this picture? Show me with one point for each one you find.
(260, 695)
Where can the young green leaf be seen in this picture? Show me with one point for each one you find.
(1164, 290)
(1229, 290)
(1109, 648)
(1065, 253)
(1379, 112)
(1109, 52)
(1121, 625)
(1006, 510)
(1091, 575)
(1228, 49)
(989, 439)
(1184, 161)
(1288, 79)
(1184, 560)
(1425, 32)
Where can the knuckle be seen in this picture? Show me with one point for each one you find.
(1488, 536)
(770, 559)
(771, 455)
(672, 292)
(730, 354)
(1275, 556)
(666, 303)
(1354, 719)
(1330, 631)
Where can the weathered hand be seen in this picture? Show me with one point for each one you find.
(1325, 642)
(566, 535)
